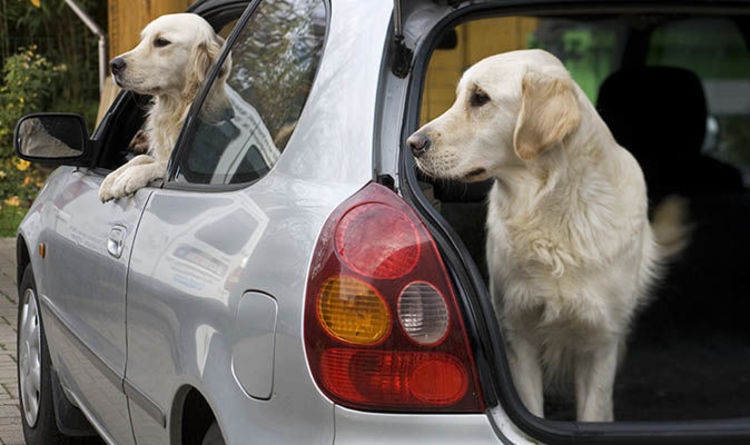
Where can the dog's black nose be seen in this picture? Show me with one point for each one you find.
(418, 143)
(117, 64)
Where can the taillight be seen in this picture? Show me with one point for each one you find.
(383, 330)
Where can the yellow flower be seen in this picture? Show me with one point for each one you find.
(40, 184)
(27, 180)
(13, 202)
(20, 99)
(21, 164)
(36, 3)
(2, 174)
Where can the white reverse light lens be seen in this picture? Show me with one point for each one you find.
(423, 313)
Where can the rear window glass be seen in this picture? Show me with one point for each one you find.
(273, 64)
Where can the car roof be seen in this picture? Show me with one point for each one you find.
(201, 6)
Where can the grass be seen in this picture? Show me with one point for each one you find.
(10, 218)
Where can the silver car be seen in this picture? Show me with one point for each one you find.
(291, 280)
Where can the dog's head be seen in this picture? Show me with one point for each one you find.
(174, 56)
(509, 109)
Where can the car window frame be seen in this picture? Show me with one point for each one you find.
(190, 125)
(496, 381)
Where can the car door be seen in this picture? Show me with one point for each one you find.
(211, 226)
(86, 260)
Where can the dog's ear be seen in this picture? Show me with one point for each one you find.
(549, 112)
(204, 56)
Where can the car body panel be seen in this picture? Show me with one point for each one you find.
(253, 354)
(84, 314)
(36, 219)
(64, 353)
(183, 305)
(417, 18)
(196, 254)
(357, 427)
(333, 141)
(78, 373)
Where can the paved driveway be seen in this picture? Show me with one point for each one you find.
(10, 416)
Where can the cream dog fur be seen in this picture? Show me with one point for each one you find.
(570, 250)
(170, 63)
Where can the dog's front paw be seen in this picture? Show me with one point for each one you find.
(116, 186)
(106, 189)
(130, 181)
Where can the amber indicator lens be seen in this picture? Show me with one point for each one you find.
(351, 310)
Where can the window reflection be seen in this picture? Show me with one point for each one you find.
(274, 61)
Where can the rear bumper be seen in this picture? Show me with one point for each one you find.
(355, 427)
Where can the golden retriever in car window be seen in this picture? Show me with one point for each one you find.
(570, 250)
(171, 62)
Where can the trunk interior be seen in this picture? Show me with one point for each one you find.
(674, 90)
(689, 350)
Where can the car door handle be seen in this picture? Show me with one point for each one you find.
(115, 241)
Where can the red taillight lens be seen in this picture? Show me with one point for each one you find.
(406, 378)
(392, 246)
(382, 326)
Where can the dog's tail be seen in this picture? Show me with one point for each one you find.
(670, 226)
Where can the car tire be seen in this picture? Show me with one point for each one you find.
(213, 435)
(34, 373)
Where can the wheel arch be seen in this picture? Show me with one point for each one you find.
(23, 257)
(191, 416)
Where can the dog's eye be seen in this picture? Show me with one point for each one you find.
(478, 98)
(160, 42)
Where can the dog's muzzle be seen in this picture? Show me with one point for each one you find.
(117, 65)
(418, 143)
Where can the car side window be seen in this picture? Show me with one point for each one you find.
(245, 124)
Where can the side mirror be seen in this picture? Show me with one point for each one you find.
(57, 138)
